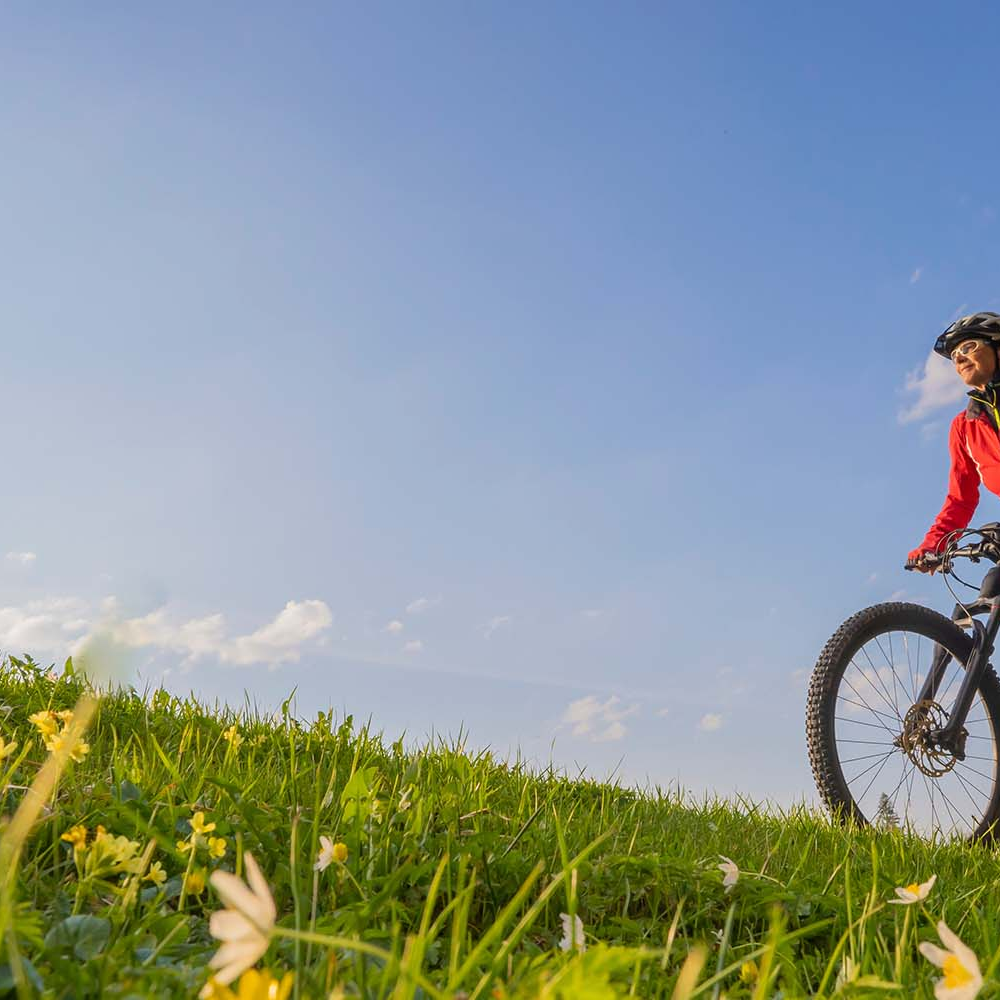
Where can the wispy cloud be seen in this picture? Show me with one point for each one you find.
(931, 388)
(394, 626)
(413, 646)
(421, 604)
(933, 429)
(710, 722)
(599, 721)
(662, 712)
(592, 612)
(915, 277)
(494, 623)
(22, 558)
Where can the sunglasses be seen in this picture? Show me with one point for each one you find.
(964, 350)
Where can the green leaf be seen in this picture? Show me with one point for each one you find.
(127, 792)
(356, 798)
(85, 934)
(7, 977)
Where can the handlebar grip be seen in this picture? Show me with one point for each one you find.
(927, 559)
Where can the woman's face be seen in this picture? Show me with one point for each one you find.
(975, 361)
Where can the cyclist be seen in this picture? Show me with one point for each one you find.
(972, 343)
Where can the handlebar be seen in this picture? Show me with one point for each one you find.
(942, 560)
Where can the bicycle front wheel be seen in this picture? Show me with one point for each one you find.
(866, 730)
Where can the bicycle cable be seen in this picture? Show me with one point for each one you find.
(953, 538)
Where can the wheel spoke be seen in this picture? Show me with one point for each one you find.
(874, 711)
(871, 725)
(883, 692)
(874, 776)
(869, 756)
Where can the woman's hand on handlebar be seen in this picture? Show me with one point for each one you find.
(924, 562)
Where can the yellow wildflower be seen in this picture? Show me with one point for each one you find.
(232, 736)
(216, 847)
(111, 855)
(194, 884)
(749, 972)
(198, 824)
(6, 749)
(262, 985)
(46, 722)
(214, 990)
(60, 742)
(253, 985)
(77, 836)
(185, 845)
(156, 874)
(65, 716)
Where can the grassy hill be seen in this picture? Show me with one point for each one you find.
(446, 874)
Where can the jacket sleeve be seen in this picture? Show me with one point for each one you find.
(963, 491)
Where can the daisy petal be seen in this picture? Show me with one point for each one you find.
(233, 892)
(261, 889)
(963, 952)
(933, 953)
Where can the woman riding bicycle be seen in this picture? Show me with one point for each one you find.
(903, 713)
(972, 343)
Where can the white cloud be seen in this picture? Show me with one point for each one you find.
(394, 626)
(599, 721)
(62, 625)
(915, 277)
(413, 646)
(612, 732)
(39, 627)
(937, 386)
(276, 642)
(592, 613)
(22, 558)
(421, 604)
(710, 722)
(494, 624)
(663, 712)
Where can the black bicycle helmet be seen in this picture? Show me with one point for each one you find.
(976, 326)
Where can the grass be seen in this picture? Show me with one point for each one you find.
(459, 868)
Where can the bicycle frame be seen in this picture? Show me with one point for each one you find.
(952, 736)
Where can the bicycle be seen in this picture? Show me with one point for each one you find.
(893, 740)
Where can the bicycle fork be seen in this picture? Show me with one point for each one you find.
(953, 735)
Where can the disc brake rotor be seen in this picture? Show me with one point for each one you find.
(921, 720)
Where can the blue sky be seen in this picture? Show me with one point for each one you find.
(554, 372)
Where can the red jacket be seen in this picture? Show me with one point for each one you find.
(974, 442)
